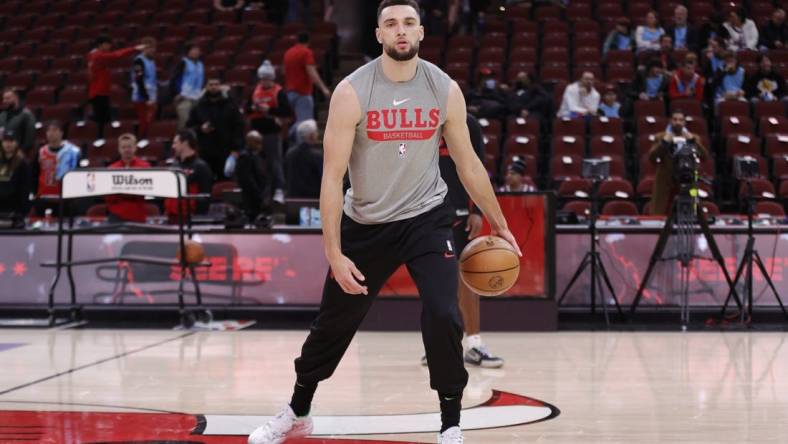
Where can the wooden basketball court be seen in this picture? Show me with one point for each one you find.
(80, 386)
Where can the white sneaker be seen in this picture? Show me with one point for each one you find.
(279, 196)
(452, 435)
(284, 426)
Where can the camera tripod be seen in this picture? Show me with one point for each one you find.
(751, 255)
(683, 213)
(594, 260)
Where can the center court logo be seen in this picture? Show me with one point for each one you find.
(501, 410)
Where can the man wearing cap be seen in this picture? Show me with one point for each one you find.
(516, 180)
(268, 110)
(488, 101)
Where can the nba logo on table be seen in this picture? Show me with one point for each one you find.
(91, 182)
(402, 151)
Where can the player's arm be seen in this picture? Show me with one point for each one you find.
(469, 167)
(343, 114)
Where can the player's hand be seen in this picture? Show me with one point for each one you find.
(508, 237)
(474, 225)
(347, 275)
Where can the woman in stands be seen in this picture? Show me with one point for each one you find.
(647, 36)
(15, 181)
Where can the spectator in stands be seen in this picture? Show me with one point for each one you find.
(488, 100)
(528, 99)
(19, 120)
(125, 208)
(516, 180)
(742, 32)
(647, 36)
(620, 38)
(683, 34)
(55, 159)
(665, 54)
(651, 84)
(250, 173)
(774, 34)
(199, 177)
(661, 154)
(218, 124)
(268, 108)
(729, 82)
(100, 78)
(714, 58)
(610, 106)
(187, 83)
(304, 163)
(300, 77)
(685, 83)
(580, 99)
(144, 85)
(15, 181)
(766, 85)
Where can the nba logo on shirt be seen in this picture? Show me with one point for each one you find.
(91, 182)
(402, 151)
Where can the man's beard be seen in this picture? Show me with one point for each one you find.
(402, 56)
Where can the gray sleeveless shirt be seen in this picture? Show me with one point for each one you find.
(393, 167)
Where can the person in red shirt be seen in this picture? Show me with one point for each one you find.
(685, 83)
(124, 208)
(300, 77)
(100, 78)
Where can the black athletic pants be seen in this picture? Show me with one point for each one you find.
(424, 243)
(101, 112)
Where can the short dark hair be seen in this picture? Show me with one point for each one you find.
(653, 63)
(103, 38)
(386, 3)
(192, 45)
(188, 136)
(678, 111)
(303, 37)
(54, 124)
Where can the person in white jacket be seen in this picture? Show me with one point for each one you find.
(580, 98)
(742, 32)
(647, 36)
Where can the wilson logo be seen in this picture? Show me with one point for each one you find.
(130, 180)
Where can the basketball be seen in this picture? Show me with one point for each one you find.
(195, 252)
(489, 266)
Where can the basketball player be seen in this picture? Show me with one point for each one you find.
(467, 225)
(385, 121)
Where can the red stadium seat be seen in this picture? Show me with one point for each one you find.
(762, 109)
(645, 188)
(522, 126)
(564, 167)
(771, 208)
(776, 144)
(772, 125)
(607, 146)
(606, 127)
(620, 208)
(522, 144)
(736, 125)
(578, 207)
(645, 108)
(568, 145)
(742, 144)
(761, 189)
(162, 129)
(569, 127)
(651, 124)
(615, 189)
(736, 108)
(690, 107)
(575, 188)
